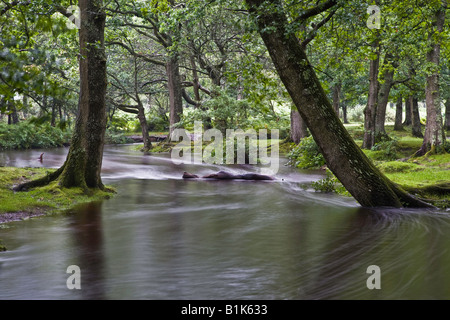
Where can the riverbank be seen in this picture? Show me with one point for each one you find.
(15, 206)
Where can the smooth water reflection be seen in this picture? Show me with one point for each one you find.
(166, 238)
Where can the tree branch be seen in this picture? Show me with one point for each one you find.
(313, 33)
(324, 6)
(139, 55)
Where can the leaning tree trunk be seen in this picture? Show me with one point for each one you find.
(83, 164)
(344, 158)
(434, 129)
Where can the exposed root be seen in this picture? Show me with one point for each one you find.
(39, 182)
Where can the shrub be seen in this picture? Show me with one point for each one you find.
(387, 150)
(27, 135)
(327, 184)
(306, 155)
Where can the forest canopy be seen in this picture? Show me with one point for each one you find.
(170, 63)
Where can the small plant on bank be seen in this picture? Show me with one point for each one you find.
(306, 155)
(386, 150)
(329, 184)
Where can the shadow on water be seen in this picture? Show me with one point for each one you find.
(163, 237)
(86, 233)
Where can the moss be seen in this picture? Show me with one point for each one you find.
(44, 200)
(398, 166)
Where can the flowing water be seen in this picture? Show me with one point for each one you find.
(162, 237)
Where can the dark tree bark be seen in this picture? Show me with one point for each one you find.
(13, 117)
(408, 112)
(83, 164)
(416, 127)
(336, 97)
(344, 113)
(299, 129)
(370, 110)
(195, 82)
(383, 99)
(434, 129)
(144, 127)
(175, 92)
(398, 126)
(447, 115)
(139, 111)
(344, 158)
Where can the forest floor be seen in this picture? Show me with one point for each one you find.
(47, 200)
(426, 177)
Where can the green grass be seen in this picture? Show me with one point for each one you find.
(419, 172)
(45, 200)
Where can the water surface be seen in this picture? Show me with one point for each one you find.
(163, 237)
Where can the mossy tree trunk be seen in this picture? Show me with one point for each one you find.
(84, 161)
(389, 67)
(398, 126)
(344, 158)
(434, 129)
(372, 99)
(83, 164)
(175, 92)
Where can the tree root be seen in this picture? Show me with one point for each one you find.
(39, 182)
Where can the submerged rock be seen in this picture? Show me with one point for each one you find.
(223, 175)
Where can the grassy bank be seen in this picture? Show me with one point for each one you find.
(40, 201)
(427, 177)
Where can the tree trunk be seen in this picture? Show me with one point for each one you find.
(344, 113)
(336, 97)
(434, 129)
(175, 92)
(415, 118)
(447, 115)
(53, 121)
(144, 127)
(383, 99)
(370, 110)
(13, 117)
(408, 112)
(195, 82)
(83, 164)
(398, 126)
(344, 158)
(299, 129)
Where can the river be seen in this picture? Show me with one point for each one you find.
(162, 237)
